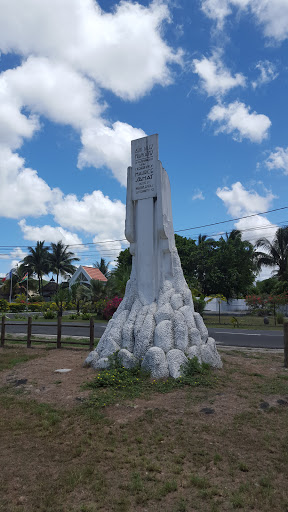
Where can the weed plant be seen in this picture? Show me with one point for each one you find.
(119, 383)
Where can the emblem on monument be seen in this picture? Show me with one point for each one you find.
(155, 322)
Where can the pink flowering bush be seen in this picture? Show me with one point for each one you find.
(265, 304)
(110, 307)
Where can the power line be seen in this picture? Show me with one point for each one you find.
(176, 231)
(232, 220)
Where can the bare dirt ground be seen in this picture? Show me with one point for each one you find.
(195, 449)
(38, 377)
(39, 380)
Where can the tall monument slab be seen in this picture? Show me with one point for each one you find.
(156, 322)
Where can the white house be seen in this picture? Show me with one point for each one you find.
(83, 275)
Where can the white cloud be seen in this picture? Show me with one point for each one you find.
(22, 192)
(73, 50)
(49, 234)
(64, 96)
(121, 50)
(98, 215)
(267, 72)
(17, 256)
(108, 146)
(218, 10)
(271, 15)
(278, 160)
(198, 195)
(241, 202)
(54, 89)
(236, 119)
(216, 80)
(95, 214)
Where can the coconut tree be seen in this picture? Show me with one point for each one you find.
(274, 254)
(38, 262)
(103, 267)
(61, 260)
(97, 290)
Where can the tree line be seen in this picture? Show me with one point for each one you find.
(42, 260)
(227, 266)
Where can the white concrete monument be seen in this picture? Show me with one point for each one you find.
(155, 323)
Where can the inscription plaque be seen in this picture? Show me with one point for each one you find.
(144, 167)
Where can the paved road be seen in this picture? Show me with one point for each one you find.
(247, 338)
(224, 336)
(68, 329)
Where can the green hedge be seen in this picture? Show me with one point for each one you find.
(17, 308)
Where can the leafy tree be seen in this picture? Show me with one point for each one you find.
(103, 267)
(205, 261)
(61, 260)
(97, 290)
(79, 294)
(275, 254)
(38, 262)
(119, 276)
(61, 298)
(233, 267)
(225, 267)
(124, 260)
(187, 250)
(265, 286)
(118, 281)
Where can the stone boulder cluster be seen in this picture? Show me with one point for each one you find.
(161, 335)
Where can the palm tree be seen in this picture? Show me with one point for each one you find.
(97, 290)
(275, 253)
(61, 260)
(204, 239)
(37, 262)
(103, 267)
(79, 293)
(235, 234)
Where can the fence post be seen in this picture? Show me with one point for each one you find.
(285, 326)
(29, 331)
(59, 329)
(91, 346)
(3, 331)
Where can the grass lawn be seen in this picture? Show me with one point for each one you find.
(243, 322)
(40, 319)
(220, 444)
(21, 340)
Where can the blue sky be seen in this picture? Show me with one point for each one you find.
(80, 79)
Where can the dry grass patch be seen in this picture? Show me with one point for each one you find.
(202, 449)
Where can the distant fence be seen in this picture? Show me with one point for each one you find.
(236, 306)
(58, 328)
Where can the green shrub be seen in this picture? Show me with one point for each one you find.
(99, 306)
(87, 307)
(21, 298)
(53, 306)
(35, 307)
(4, 305)
(280, 318)
(74, 316)
(49, 315)
(193, 372)
(85, 316)
(36, 298)
(16, 308)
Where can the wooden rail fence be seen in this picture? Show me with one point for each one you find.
(59, 341)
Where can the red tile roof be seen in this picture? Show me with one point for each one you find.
(95, 273)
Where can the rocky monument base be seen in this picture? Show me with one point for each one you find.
(161, 335)
(155, 323)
